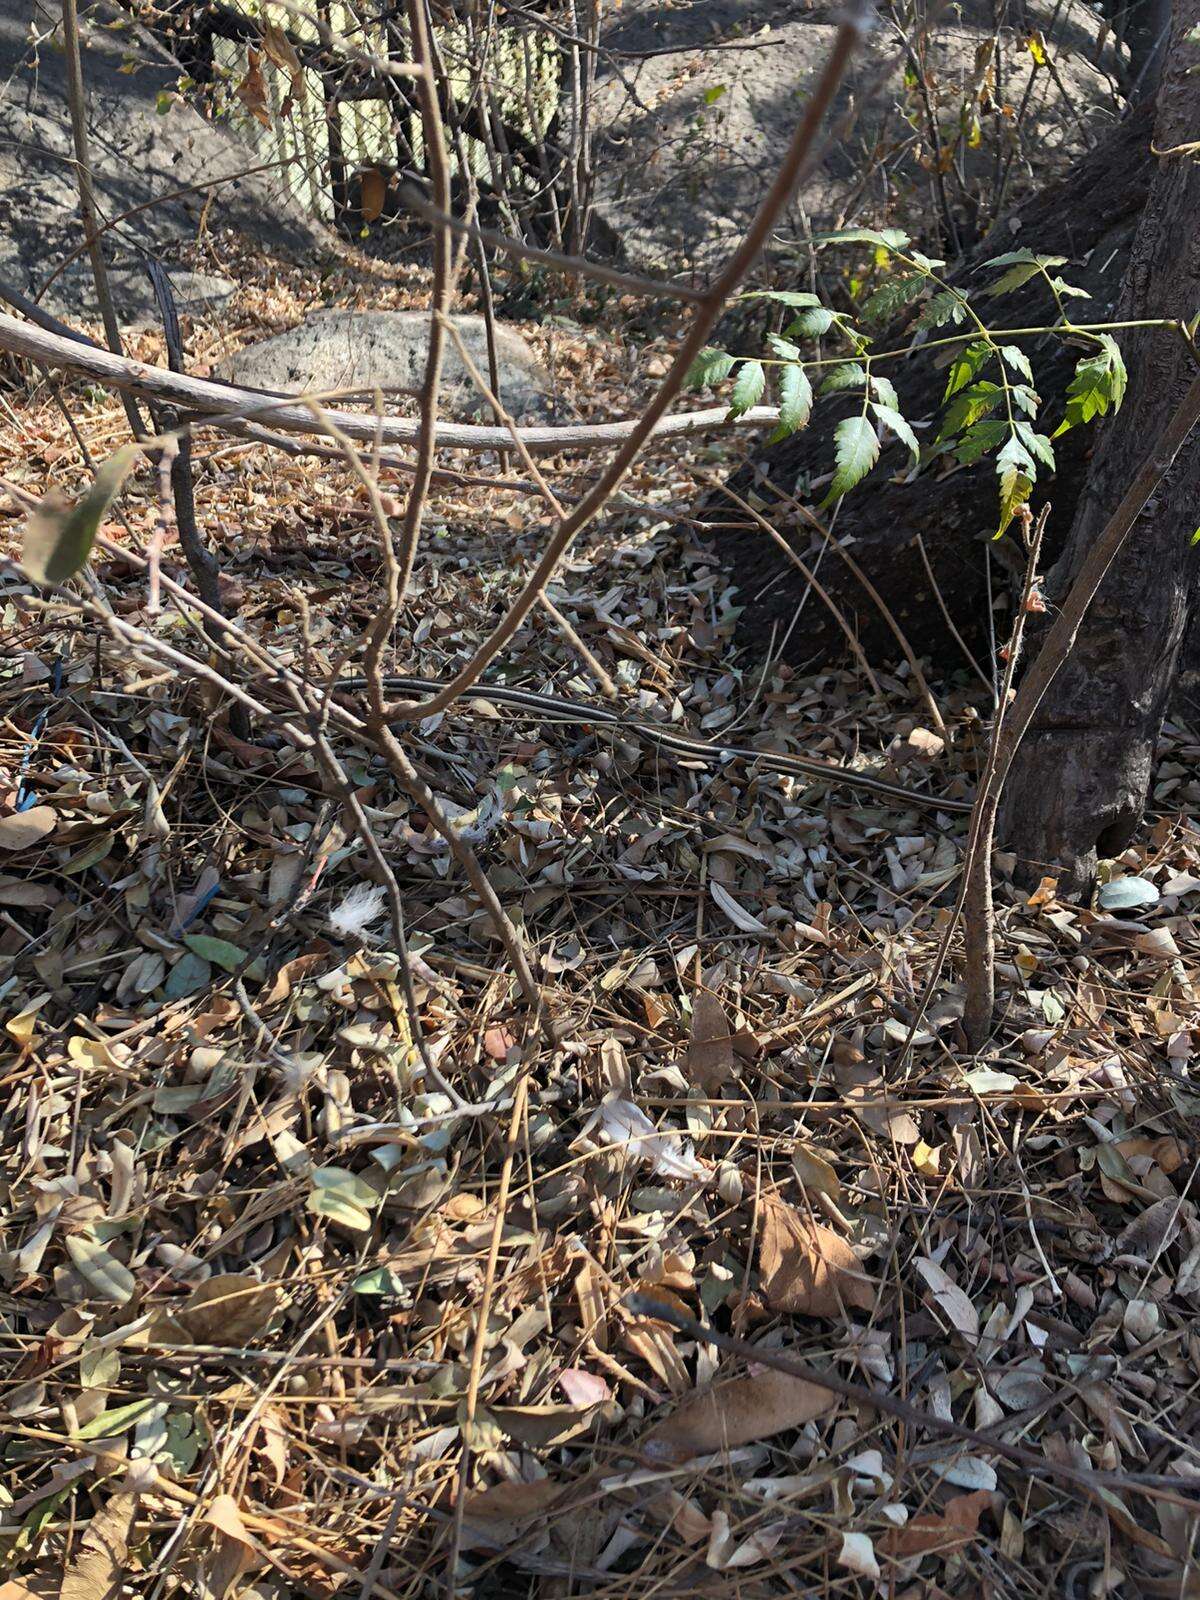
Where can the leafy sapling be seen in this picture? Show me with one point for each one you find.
(990, 407)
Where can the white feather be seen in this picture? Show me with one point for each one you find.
(362, 906)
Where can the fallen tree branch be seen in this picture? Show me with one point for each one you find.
(203, 397)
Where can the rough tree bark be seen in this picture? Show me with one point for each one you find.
(1080, 781)
(1089, 216)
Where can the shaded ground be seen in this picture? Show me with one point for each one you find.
(139, 152)
(272, 1312)
(690, 138)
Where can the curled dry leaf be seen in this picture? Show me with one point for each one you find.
(237, 1550)
(858, 1555)
(806, 1268)
(737, 1413)
(99, 1568)
(953, 1301)
(498, 1517)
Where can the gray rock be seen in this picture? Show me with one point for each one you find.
(690, 139)
(138, 155)
(335, 350)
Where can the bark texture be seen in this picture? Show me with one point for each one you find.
(1089, 217)
(1080, 781)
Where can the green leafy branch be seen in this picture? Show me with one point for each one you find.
(990, 405)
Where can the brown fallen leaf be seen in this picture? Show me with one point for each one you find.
(806, 1268)
(99, 1569)
(710, 1050)
(231, 1308)
(540, 1427)
(252, 91)
(237, 1550)
(22, 829)
(497, 1517)
(956, 1526)
(737, 1413)
(372, 193)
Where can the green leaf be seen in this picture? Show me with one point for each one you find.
(1009, 259)
(884, 389)
(948, 306)
(892, 296)
(784, 297)
(1013, 278)
(888, 238)
(847, 375)
(747, 388)
(58, 537)
(379, 1281)
(1116, 365)
(892, 420)
(1037, 444)
(711, 96)
(219, 951)
(856, 450)
(812, 324)
(795, 402)
(343, 1197)
(1100, 381)
(1017, 360)
(965, 367)
(783, 348)
(119, 1420)
(978, 440)
(968, 406)
(1069, 290)
(709, 367)
(1017, 474)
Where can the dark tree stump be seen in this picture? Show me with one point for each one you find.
(1080, 780)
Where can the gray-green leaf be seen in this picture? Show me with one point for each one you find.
(795, 402)
(856, 450)
(747, 388)
(58, 537)
(892, 420)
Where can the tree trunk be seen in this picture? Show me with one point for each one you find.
(1089, 216)
(1080, 781)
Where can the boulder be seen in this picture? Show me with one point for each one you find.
(363, 350)
(145, 145)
